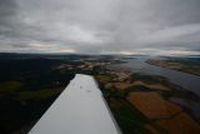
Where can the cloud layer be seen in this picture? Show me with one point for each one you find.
(100, 26)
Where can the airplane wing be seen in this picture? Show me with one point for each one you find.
(80, 109)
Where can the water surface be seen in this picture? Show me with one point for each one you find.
(185, 80)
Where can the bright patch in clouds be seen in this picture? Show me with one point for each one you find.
(80, 35)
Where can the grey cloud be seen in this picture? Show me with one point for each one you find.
(98, 26)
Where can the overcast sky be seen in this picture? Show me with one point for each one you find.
(100, 26)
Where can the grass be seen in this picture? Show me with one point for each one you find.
(16, 88)
(186, 65)
(10, 86)
(40, 94)
(184, 94)
(139, 88)
(103, 78)
(129, 119)
(150, 79)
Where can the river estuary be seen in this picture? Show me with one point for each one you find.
(187, 81)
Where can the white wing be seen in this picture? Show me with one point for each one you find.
(80, 109)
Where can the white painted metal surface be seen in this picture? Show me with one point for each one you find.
(80, 109)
